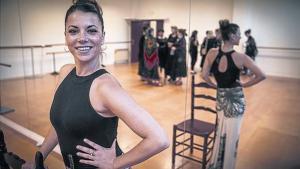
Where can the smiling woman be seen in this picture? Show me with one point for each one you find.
(84, 113)
(84, 37)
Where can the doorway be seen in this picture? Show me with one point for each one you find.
(136, 34)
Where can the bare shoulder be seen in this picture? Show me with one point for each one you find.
(64, 71)
(106, 90)
(239, 59)
(239, 54)
(107, 82)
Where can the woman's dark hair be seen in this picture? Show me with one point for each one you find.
(182, 31)
(194, 33)
(150, 31)
(174, 27)
(248, 31)
(227, 28)
(86, 6)
(160, 30)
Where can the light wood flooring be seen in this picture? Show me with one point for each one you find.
(270, 134)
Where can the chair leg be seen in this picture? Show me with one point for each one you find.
(204, 155)
(174, 145)
(3, 164)
(192, 144)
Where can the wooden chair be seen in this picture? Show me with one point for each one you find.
(10, 160)
(195, 127)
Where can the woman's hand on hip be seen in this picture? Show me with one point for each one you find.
(97, 155)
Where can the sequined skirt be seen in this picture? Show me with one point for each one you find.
(231, 101)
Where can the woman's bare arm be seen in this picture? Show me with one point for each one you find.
(139, 120)
(51, 139)
(258, 74)
(210, 57)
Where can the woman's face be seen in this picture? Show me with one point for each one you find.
(235, 38)
(84, 35)
(180, 35)
(160, 33)
(173, 30)
(247, 35)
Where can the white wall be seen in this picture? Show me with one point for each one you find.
(42, 22)
(274, 24)
(204, 13)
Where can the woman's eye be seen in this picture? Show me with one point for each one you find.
(72, 31)
(93, 31)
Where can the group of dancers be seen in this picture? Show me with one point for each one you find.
(167, 56)
(162, 55)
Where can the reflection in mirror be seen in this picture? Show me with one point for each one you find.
(160, 71)
(248, 139)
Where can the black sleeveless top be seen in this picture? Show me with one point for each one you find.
(74, 118)
(231, 76)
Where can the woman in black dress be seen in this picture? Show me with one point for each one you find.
(170, 56)
(251, 49)
(207, 44)
(89, 102)
(179, 60)
(226, 64)
(142, 69)
(151, 59)
(162, 50)
(193, 49)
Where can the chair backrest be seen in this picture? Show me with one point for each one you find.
(8, 159)
(203, 96)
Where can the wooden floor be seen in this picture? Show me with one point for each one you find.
(270, 134)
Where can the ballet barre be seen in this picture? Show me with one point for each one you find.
(4, 110)
(54, 60)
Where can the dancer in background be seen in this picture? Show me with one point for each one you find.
(171, 52)
(193, 49)
(141, 66)
(218, 39)
(207, 44)
(151, 59)
(162, 51)
(179, 69)
(226, 64)
(251, 49)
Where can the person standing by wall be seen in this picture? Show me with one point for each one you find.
(193, 49)
(141, 66)
(171, 52)
(151, 58)
(162, 51)
(207, 44)
(251, 49)
(179, 69)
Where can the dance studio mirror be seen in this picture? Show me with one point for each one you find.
(33, 51)
(161, 72)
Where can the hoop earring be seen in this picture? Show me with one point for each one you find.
(66, 49)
